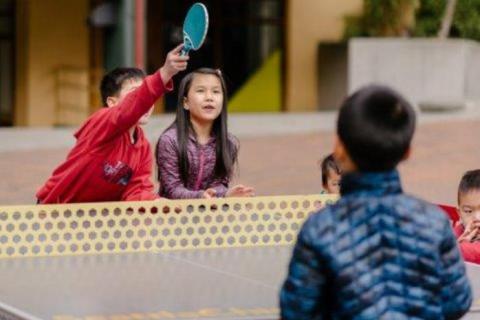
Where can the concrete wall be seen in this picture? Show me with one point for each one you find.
(310, 22)
(425, 70)
(53, 34)
(473, 72)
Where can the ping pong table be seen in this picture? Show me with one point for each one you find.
(234, 283)
(188, 260)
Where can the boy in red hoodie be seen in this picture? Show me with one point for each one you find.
(467, 229)
(112, 159)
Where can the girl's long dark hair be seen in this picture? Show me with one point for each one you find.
(226, 149)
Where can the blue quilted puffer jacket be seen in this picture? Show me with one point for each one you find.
(376, 254)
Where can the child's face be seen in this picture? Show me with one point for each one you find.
(333, 181)
(469, 206)
(128, 86)
(205, 98)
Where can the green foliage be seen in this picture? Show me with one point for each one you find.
(354, 27)
(466, 23)
(428, 18)
(386, 17)
(390, 18)
(381, 18)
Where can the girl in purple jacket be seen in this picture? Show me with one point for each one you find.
(196, 155)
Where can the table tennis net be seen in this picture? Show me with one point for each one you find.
(164, 225)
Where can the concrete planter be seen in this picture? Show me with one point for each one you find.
(433, 74)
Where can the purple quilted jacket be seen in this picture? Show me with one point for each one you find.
(201, 171)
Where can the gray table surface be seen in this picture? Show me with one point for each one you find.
(241, 283)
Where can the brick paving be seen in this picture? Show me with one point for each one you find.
(287, 164)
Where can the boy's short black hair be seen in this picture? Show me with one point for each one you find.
(329, 163)
(112, 82)
(376, 125)
(470, 181)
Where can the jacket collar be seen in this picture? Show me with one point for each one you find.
(193, 138)
(371, 183)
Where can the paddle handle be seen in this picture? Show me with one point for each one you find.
(187, 45)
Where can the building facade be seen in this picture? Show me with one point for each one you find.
(53, 53)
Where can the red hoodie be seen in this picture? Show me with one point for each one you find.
(470, 250)
(104, 165)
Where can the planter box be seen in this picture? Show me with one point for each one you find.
(429, 72)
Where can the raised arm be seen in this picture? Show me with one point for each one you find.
(120, 118)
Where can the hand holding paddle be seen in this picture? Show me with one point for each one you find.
(174, 63)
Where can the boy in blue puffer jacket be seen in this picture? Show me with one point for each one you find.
(377, 253)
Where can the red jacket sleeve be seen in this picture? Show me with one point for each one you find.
(140, 186)
(470, 251)
(108, 123)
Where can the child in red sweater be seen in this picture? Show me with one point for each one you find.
(468, 227)
(112, 159)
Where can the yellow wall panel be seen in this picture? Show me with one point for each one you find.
(310, 22)
(55, 37)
